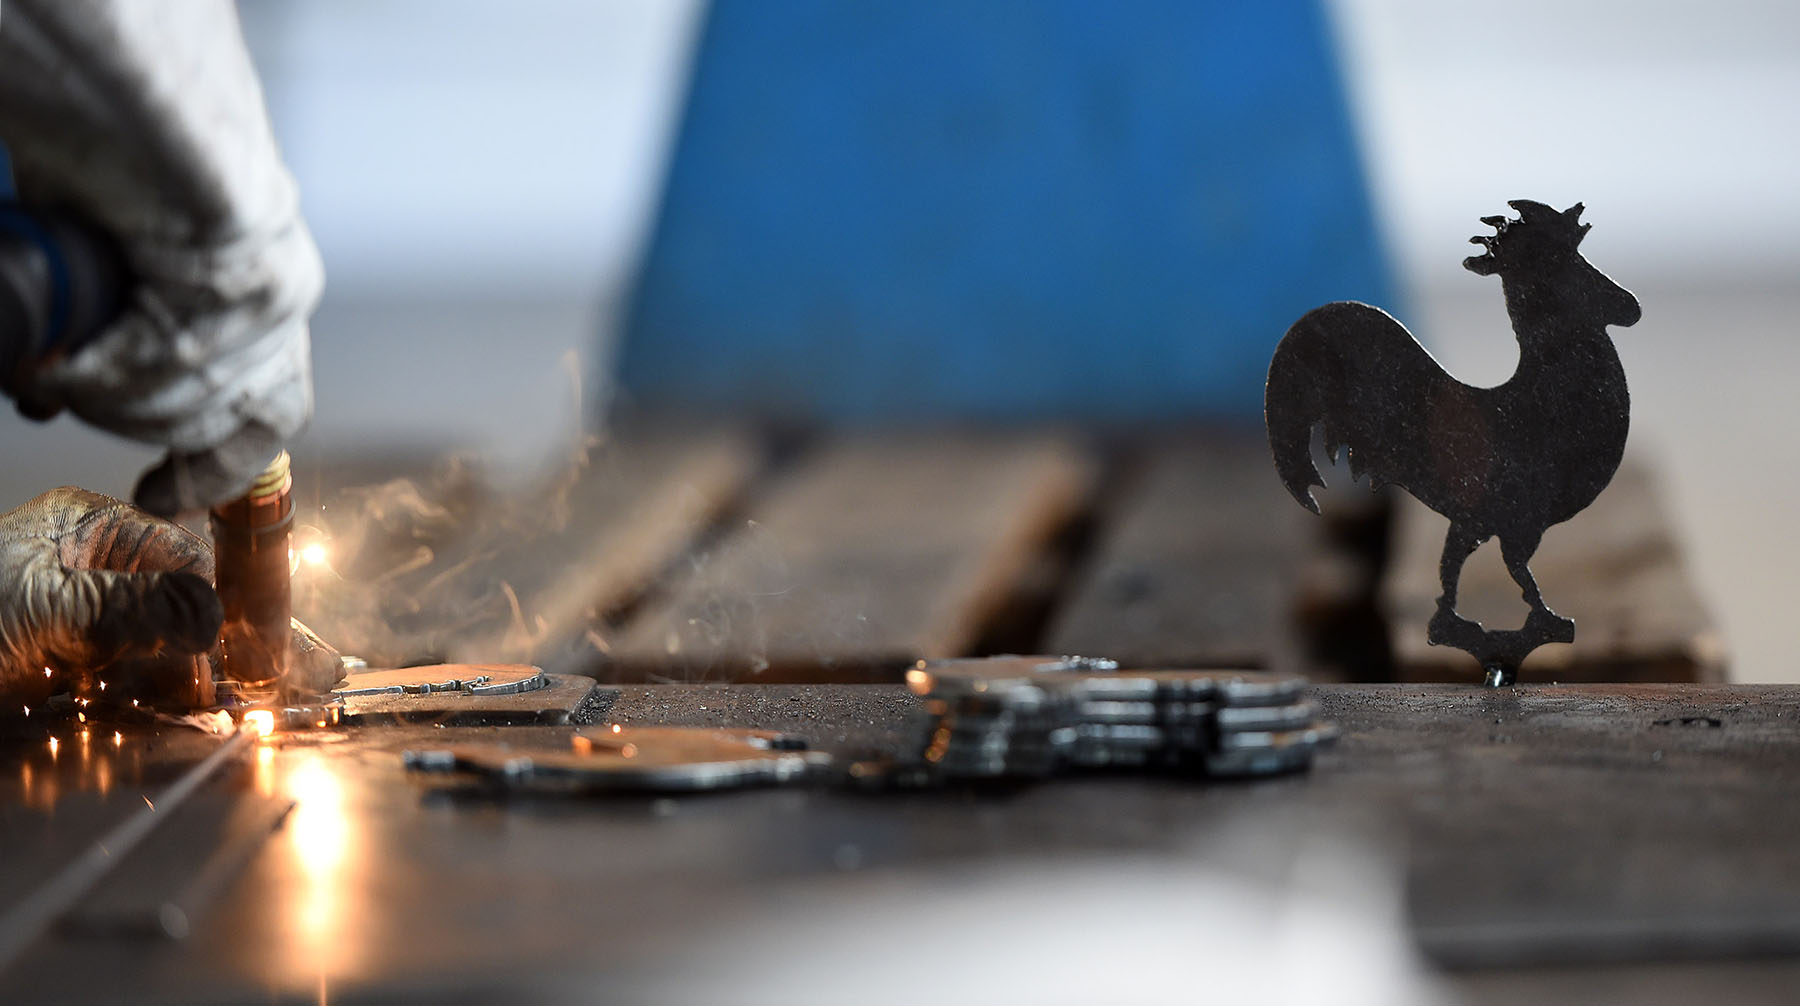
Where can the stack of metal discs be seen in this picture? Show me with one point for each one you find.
(1032, 717)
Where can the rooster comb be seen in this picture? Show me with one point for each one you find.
(1564, 226)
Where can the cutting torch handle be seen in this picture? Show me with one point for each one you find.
(62, 282)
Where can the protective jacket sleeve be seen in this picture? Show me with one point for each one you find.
(147, 118)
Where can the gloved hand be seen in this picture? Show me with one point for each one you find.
(147, 119)
(88, 581)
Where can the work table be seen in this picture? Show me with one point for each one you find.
(1533, 839)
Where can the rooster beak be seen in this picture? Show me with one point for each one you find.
(1480, 265)
(1629, 310)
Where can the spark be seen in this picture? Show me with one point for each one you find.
(82, 717)
(54, 744)
(118, 739)
(147, 802)
(46, 672)
(83, 703)
(615, 728)
(260, 720)
(103, 686)
(28, 710)
(313, 555)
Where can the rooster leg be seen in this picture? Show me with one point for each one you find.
(1517, 552)
(1458, 545)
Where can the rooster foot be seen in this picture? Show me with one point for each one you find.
(1552, 626)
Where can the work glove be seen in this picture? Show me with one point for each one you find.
(146, 118)
(88, 582)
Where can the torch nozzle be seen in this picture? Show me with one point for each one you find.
(252, 538)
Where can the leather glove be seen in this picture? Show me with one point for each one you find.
(145, 117)
(88, 582)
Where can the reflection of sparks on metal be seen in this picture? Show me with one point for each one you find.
(319, 834)
(262, 721)
(265, 771)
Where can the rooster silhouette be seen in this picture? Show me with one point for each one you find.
(1505, 462)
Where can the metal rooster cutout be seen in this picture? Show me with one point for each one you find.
(1507, 461)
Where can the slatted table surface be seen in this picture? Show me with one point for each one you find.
(711, 555)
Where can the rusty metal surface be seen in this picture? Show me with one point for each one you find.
(1588, 827)
(1505, 462)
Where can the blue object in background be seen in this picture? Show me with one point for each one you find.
(940, 210)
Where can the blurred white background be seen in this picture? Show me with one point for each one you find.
(481, 176)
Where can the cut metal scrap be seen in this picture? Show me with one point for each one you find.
(531, 684)
(472, 679)
(640, 759)
(422, 688)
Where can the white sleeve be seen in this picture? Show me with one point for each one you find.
(146, 117)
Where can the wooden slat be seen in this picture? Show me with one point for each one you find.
(461, 575)
(871, 553)
(1197, 566)
(1614, 568)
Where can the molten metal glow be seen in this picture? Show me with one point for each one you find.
(260, 720)
(313, 555)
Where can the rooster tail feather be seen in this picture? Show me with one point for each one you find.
(1288, 409)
